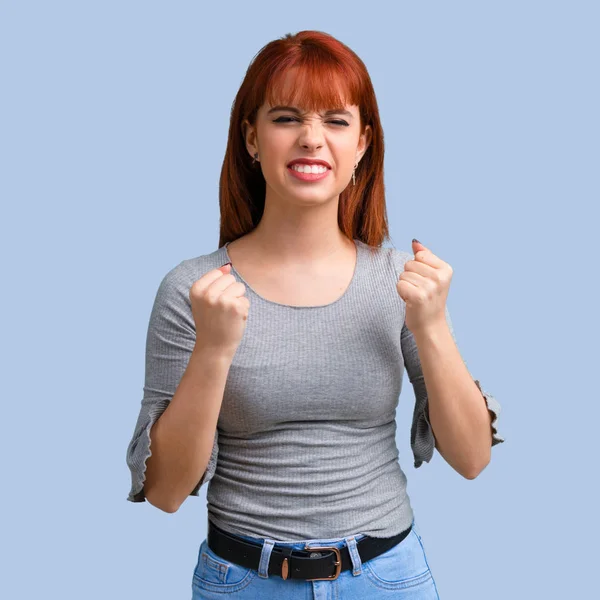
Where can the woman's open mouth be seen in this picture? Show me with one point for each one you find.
(308, 173)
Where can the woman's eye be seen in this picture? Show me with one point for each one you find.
(288, 119)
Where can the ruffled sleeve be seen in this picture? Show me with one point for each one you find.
(422, 440)
(170, 340)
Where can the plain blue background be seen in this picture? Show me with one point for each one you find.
(113, 123)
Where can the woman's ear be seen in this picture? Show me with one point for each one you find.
(249, 133)
(364, 141)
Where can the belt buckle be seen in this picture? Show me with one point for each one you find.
(338, 562)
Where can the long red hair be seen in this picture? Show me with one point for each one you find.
(317, 57)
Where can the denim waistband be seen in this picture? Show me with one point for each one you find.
(297, 544)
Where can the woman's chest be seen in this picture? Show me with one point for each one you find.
(344, 366)
(311, 284)
(295, 288)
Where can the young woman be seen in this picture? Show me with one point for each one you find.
(275, 363)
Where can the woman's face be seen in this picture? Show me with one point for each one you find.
(284, 134)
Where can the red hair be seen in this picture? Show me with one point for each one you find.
(317, 57)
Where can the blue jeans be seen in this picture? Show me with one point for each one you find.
(402, 572)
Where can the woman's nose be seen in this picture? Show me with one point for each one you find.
(311, 137)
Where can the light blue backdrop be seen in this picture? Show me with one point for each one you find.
(113, 123)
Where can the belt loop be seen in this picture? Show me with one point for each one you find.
(265, 557)
(354, 555)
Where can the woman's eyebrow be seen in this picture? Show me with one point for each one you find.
(333, 111)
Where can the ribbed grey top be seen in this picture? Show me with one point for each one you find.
(305, 446)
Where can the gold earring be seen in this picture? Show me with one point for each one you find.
(353, 175)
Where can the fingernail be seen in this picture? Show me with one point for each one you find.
(416, 240)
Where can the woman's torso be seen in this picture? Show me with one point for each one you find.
(314, 286)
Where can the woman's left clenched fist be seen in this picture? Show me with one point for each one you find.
(424, 285)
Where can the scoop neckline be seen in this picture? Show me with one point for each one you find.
(359, 248)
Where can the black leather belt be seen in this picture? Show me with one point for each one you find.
(314, 564)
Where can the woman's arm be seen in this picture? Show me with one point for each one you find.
(183, 436)
(458, 413)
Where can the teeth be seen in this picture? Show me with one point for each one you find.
(309, 168)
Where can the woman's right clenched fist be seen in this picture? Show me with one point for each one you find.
(220, 310)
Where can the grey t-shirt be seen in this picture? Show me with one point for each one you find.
(305, 445)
